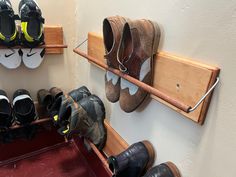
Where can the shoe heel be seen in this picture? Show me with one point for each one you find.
(151, 153)
(156, 39)
(174, 169)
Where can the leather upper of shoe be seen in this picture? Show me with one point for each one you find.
(161, 170)
(56, 92)
(131, 162)
(112, 30)
(136, 48)
(59, 107)
(69, 119)
(90, 120)
(45, 98)
(80, 93)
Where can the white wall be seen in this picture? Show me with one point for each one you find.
(204, 30)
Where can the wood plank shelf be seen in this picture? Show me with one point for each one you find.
(39, 121)
(53, 41)
(115, 144)
(178, 82)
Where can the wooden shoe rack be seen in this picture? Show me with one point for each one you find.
(53, 40)
(178, 82)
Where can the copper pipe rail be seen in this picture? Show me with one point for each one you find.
(148, 88)
(39, 121)
(140, 84)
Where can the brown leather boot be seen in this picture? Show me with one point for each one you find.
(139, 44)
(112, 30)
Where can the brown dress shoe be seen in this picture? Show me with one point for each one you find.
(112, 30)
(139, 44)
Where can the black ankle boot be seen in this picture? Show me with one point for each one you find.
(167, 169)
(134, 161)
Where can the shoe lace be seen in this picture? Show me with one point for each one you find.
(122, 67)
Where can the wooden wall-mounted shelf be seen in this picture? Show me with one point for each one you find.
(53, 40)
(115, 144)
(178, 82)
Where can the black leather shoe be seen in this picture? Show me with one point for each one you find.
(23, 107)
(134, 161)
(167, 169)
(45, 98)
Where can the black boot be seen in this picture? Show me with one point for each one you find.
(87, 118)
(134, 161)
(167, 169)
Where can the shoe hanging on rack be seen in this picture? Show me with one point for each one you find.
(23, 107)
(112, 31)
(9, 36)
(139, 43)
(32, 34)
(46, 98)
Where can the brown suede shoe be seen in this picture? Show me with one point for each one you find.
(139, 44)
(112, 30)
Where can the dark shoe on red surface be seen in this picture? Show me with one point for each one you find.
(6, 118)
(167, 169)
(139, 44)
(61, 104)
(87, 118)
(45, 98)
(58, 108)
(134, 161)
(23, 107)
(56, 92)
(112, 31)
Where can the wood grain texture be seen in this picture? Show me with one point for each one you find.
(183, 79)
(53, 36)
(115, 143)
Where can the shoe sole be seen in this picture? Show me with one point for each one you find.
(173, 169)
(151, 153)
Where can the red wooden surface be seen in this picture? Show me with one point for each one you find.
(48, 155)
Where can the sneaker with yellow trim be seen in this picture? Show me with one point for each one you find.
(8, 30)
(31, 23)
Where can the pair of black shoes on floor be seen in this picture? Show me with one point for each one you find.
(137, 159)
(79, 112)
(22, 110)
(31, 24)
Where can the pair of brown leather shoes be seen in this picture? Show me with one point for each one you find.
(130, 47)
